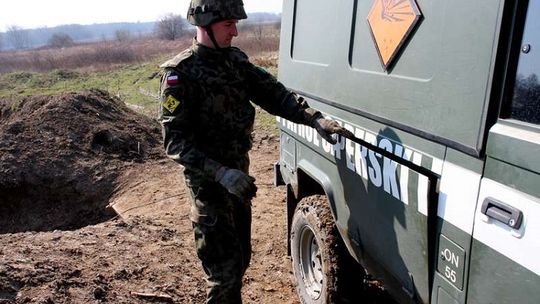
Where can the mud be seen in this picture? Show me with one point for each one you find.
(66, 161)
(60, 157)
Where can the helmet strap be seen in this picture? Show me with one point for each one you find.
(210, 33)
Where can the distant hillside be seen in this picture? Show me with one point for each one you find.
(80, 33)
(107, 31)
(264, 17)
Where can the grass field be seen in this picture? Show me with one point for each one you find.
(136, 83)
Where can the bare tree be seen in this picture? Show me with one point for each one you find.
(122, 35)
(170, 27)
(258, 31)
(18, 37)
(60, 40)
(277, 25)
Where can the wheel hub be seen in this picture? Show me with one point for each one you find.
(311, 263)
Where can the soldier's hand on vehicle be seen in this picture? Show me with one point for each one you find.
(237, 182)
(327, 127)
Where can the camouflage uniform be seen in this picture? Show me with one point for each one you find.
(207, 120)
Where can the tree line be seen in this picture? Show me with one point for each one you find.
(168, 27)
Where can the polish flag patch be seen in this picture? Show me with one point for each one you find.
(172, 79)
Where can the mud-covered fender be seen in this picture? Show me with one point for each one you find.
(316, 176)
(300, 188)
(321, 178)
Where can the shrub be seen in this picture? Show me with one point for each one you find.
(60, 40)
(170, 27)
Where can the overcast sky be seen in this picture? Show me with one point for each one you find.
(49, 13)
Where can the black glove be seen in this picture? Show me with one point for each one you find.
(327, 127)
(237, 182)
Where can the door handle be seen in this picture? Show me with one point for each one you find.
(502, 212)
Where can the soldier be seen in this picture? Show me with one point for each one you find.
(207, 121)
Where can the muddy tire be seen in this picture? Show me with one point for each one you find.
(321, 265)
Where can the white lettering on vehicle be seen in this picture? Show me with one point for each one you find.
(450, 274)
(380, 171)
(453, 258)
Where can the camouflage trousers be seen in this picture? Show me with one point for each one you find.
(222, 229)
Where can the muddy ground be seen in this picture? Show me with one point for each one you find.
(92, 212)
(66, 161)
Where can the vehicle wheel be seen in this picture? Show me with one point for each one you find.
(319, 257)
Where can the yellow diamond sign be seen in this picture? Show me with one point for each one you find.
(391, 22)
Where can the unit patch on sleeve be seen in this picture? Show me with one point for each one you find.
(171, 103)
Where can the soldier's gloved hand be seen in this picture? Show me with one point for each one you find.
(327, 127)
(237, 182)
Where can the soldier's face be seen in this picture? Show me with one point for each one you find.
(224, 32)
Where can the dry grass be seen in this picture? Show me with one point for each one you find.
(258, 39)
(255, 40)
(94, 57)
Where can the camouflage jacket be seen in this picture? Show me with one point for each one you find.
(206, 113)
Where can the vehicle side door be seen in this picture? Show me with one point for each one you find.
(505, 267)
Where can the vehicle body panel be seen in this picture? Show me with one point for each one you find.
(440, 106)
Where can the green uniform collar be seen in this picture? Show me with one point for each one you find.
(209, 53)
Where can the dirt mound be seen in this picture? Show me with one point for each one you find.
(151, 250)
(60, 157)
(63, 158)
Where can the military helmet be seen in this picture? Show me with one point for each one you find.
(206, 12)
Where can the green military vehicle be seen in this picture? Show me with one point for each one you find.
(438, 196)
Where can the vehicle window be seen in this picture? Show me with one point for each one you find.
(314, 27)
(526, 98)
